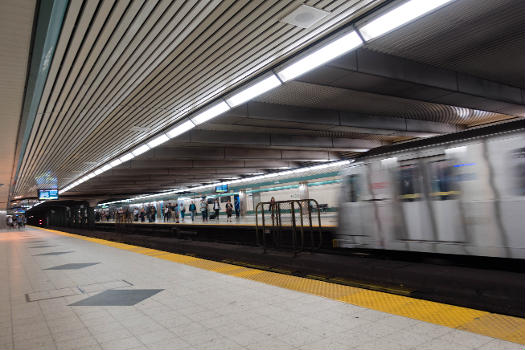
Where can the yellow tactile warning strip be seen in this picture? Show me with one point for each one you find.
(481, 322)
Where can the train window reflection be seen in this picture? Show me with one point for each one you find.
(518, 157)
(353, 183)
(409, 180)
(443, 182)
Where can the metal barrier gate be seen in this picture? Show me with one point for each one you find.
(289, 224)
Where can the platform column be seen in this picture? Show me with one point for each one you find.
(242, 202)
(256, 198)
(303, 190)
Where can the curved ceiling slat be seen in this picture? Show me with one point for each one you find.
(108, 67)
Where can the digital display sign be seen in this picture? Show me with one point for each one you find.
(47, 194)
(221, 189)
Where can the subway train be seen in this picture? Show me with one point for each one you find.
(462, 193)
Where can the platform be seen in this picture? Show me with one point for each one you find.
(327, 220)
(72, 292)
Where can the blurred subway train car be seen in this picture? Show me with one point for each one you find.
(462, 193)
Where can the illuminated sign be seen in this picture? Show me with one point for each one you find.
(47, 194)
(221, 189)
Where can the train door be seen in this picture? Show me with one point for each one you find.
(413, 197)
(352, 228)
(477, 199)
(385, 222)
(507, 159)
(444, 195)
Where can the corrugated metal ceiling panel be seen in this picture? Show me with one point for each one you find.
(137, 63)
(484, 38)
(302, 94)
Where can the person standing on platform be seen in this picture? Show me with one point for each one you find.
(229, 211)
(142, 215)
(152, 212)
(166, 213)
(182, 210)
(176, 212)
(204, 209)
(217, 208)
(135, 214)
(237, 207)
(193, 209)
(169, 212)
(172, 211)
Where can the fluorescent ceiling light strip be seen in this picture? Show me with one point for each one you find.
(116, 162)
(247, 179)
(180, 129)
(139, 150)
(126, 157)
(98, 172)
(106, 167)
(159, 140)
(211, 113)
(255, 90)
(398, 17)
(456, 150)
(322, 55)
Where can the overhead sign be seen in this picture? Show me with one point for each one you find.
(47, 194)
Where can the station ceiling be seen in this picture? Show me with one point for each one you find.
(123, 71)
(16, 19)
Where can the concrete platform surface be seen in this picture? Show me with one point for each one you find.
(96, 294)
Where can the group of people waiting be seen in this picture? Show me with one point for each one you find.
(19, 221)
(175, 212)
(146, 213)
(205, 212)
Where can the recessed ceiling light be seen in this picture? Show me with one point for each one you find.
(305, 16)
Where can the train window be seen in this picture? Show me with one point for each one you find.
(409, 181)
(353, 190)
(443, 181)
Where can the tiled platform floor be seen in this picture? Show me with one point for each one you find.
(189, 308)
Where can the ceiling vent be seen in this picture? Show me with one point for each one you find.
(305, 16)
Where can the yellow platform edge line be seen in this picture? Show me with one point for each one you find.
(497, 326)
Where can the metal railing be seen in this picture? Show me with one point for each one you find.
(293, 224)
